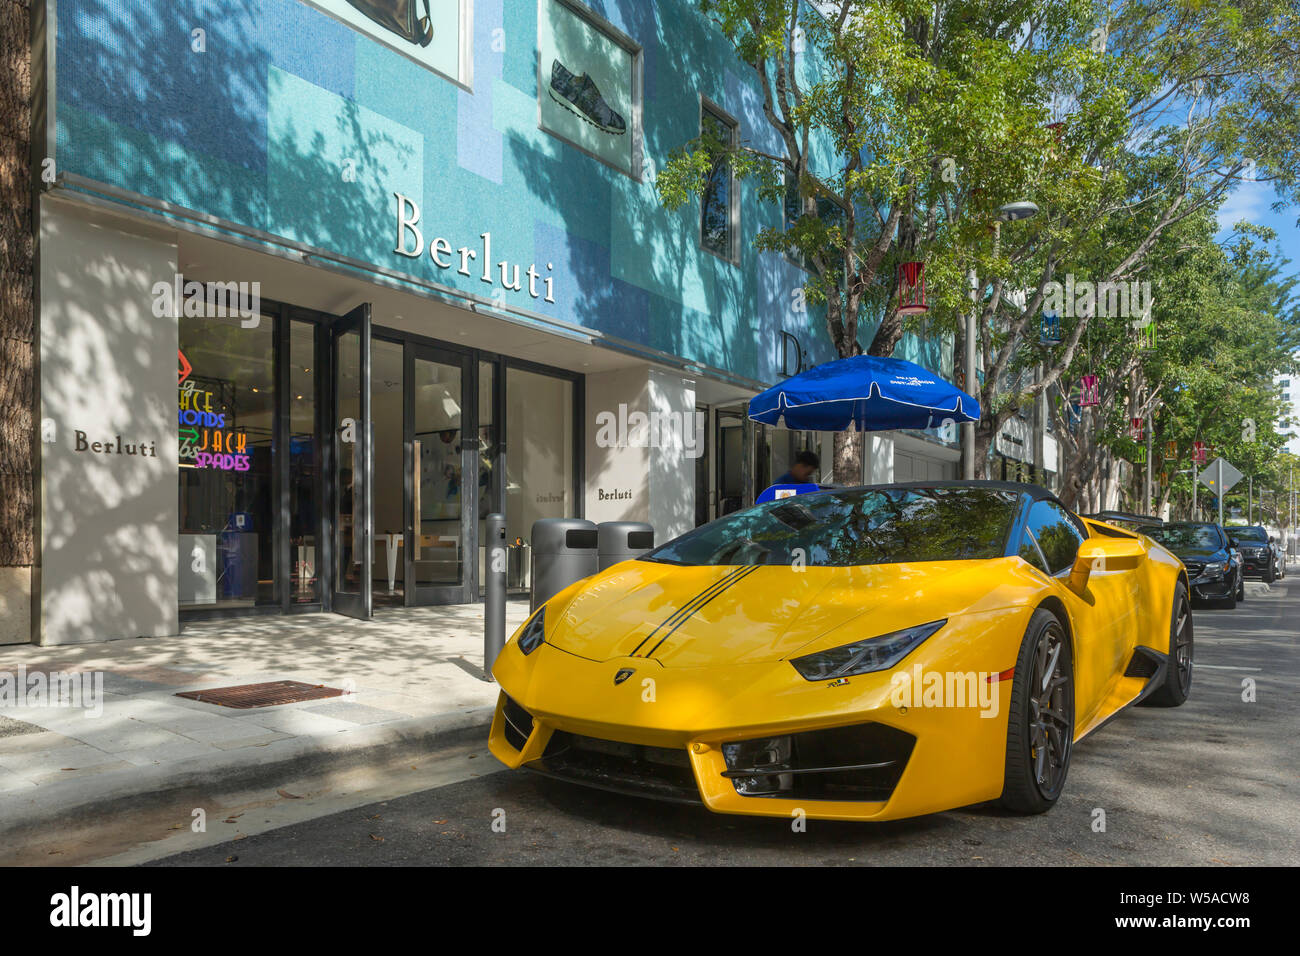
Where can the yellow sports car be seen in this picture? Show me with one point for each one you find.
(850, 654)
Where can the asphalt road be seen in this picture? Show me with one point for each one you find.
(1213, 782)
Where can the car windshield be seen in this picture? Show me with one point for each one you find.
(855, 527)
(1189, 537)
(1249, 535)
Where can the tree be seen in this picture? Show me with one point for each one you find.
(17, 522)
(873, 119)
(1141, 120)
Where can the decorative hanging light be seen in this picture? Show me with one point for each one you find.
(1135, 429)
(1171, 451)
(1146, 336)
(1058, 133)
(1200, 451)
(1089, 391)
(911, 288)
(1049, 329)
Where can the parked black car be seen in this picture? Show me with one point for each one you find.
(1214, 565)
(1259, 552)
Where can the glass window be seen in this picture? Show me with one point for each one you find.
(717, 205)
(489, 481)
(827, 212)
(1056, 534)
(226, 414)
(859, 527)
(1029, 552)
(348, 466)
(388, 461)
(304, 465)
(539, 450)
(1187, 537)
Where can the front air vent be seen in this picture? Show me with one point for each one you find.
(862, 762)
(661, 772)
(518, 724)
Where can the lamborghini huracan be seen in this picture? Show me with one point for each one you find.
(853, 654)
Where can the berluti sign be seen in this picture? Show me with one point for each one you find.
(469, 260)
(113, 445)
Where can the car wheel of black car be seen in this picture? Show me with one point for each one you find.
(1178, 673)
(1241, 585)
(1268, 574)
(1040, 725)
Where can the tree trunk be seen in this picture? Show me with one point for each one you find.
(985, 433)
(847, 468)
(17, 251)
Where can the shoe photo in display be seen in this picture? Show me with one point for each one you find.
(580, 95)
(399, 16)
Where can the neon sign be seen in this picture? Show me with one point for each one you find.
(202, 440)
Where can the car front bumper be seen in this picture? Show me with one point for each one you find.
(1214, 588)
(662, 732)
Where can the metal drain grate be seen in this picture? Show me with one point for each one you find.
(247, 696)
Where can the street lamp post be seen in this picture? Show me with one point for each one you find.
(1148, 476)
(1011, 212)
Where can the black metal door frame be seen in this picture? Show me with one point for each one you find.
(356, 605)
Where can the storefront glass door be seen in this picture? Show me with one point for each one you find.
(442, 478)
(352, 468)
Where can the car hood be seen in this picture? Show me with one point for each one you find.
(715, 615)
(1200, 555)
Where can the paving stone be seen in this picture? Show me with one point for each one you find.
(242, 742)
(355, 713)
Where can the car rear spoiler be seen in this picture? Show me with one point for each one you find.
(1126, 516)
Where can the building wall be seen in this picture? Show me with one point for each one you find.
(1289, 425)
(639, 468)
(291, 122)
(107, 387)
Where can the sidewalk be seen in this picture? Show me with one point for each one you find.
(410, 673)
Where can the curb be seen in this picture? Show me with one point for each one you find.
(71, 801)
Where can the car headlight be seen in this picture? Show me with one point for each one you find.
(534, 632)
(1217, 567)
(862, 657)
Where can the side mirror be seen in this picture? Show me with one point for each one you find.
(1102, 554)
(1232, 542)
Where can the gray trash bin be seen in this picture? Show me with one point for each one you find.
(622, 541)
(564, 551)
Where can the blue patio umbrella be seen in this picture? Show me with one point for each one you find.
(875, 394)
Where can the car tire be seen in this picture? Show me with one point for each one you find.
(1268, 575)
(1241, 587)
(1177, 685)
(1040, 726)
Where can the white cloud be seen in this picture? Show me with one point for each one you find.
(1249, 201)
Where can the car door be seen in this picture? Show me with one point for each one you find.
(1105, 619)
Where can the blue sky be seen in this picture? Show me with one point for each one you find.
(1252, 201)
